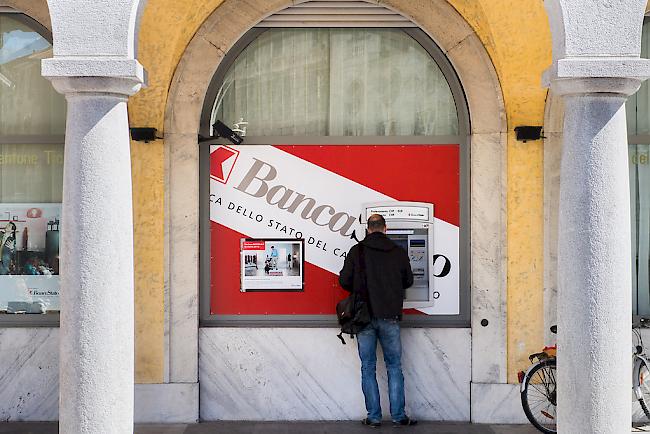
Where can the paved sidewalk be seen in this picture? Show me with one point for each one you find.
(288, 428)
(295, 428)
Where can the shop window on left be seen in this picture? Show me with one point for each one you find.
(32, 126)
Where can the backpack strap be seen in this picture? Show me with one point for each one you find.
(363, 289)
(340, 336)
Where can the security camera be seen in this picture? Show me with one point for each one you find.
(222, 130)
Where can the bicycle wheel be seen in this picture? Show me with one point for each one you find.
(539, 396)
(642, 385)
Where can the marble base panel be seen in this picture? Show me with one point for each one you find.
(496, 403)
(167, 403)
(273, 374)
(306, 374)
(29, 374)
(29, 379)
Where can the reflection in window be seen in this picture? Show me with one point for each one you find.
(638, 115)
(640, 216)
(638, 124)
(32, 123)
(28, 103)
(336, 82)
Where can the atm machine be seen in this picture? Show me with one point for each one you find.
(410, 225)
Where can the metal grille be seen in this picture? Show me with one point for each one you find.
(336, 13)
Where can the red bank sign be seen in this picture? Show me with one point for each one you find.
(316, 193)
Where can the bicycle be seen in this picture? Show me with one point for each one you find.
(538, 384)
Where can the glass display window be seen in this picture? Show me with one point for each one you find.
(332, 118)
(32, 125)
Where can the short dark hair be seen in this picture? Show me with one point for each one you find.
(376, 223)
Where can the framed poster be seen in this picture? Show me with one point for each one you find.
(272, 264)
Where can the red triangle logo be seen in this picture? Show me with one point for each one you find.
(222, 158)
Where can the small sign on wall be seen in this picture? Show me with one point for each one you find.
(272, 264)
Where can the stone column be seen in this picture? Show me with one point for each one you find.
(95, 67)
(594, 301)
(596, 66)
(96, 335)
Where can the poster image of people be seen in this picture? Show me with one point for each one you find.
(29, 256)
(272, 264)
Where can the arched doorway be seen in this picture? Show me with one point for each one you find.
(186, 105)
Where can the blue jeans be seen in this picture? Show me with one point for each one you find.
(388, 333)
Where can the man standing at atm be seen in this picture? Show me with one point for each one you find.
(387, 272)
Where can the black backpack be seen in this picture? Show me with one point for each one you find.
(352, 312)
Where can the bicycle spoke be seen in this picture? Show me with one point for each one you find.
(543, 389)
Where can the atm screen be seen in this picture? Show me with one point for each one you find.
(414, 242)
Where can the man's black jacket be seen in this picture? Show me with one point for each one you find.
(388, 273)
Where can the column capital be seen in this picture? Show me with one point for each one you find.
(70, 75)
(615, 86)
(583, 75)
(596, 46)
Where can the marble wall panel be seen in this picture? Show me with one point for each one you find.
(553, 124)
(29, 383)
(306, 374)
(488, 258)
(497, 403)
(167, 403)
(29, 374)
(183, 253)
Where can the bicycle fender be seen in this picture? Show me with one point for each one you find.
(637, 393)
(635, 375)
(526, 376)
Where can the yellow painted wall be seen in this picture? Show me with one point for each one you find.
(166, 28)
(517, 37)
(148, 235)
